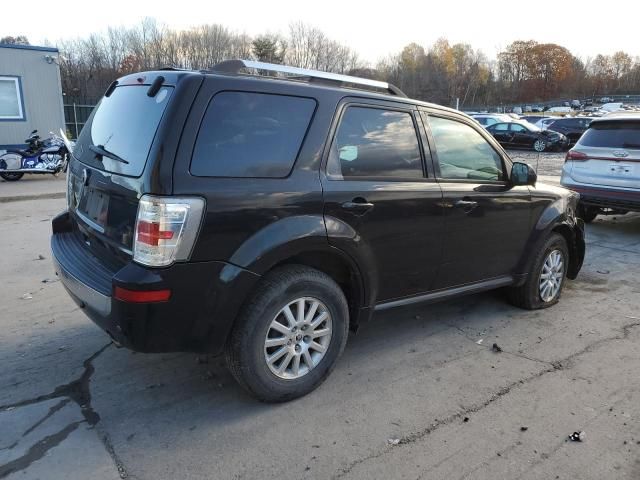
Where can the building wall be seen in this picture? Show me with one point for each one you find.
(41, 92)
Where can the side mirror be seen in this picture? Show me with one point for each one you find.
(523, 174)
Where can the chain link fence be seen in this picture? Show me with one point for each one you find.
(75, 116)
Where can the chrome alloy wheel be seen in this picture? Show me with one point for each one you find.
(551, 276)
(539, 145)
(297, 338)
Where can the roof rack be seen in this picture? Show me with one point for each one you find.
(235, 66)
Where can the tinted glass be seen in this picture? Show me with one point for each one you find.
(500, 127)
(463, 153)
(613, 135)
(371, 142)
(251, 135)
(125, 124)
(517, 128)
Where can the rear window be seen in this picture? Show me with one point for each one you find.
(613, 135)
(125, 124)
(247, 134)
(375, 143)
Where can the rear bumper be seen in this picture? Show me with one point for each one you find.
(607, 197)
(205, 298)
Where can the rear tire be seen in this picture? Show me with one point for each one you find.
(11, 177)
(270, 333)
(544, 283)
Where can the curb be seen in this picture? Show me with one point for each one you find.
(20, 198)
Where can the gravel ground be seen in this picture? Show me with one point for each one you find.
(546, 163)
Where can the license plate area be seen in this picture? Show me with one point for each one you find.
(620, 169)
(94, 206)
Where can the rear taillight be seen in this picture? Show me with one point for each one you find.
(574, 155)
(166, 229)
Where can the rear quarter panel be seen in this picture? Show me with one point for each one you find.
(255, 222)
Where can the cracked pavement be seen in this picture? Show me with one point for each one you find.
(414, 396)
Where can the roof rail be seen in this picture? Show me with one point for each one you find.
(235, 66)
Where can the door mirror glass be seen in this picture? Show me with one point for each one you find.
(523, 174)
(349, 153)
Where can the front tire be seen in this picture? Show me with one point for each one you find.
(544, 283)
(539, 145)
(289, 335)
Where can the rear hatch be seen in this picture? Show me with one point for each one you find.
(107, 175)
(612, 150)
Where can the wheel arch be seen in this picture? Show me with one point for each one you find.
(555, 219)
(343, 270)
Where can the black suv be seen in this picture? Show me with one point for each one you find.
(265, 217)
(571, 127)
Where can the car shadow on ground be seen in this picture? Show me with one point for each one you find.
(130, 383)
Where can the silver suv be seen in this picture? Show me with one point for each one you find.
(604, 166)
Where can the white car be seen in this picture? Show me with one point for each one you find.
(604, 166)
(488, 119)
(611, 107)
(565, 109)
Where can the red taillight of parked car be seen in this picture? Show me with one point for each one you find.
(166, 229)
(574, 155)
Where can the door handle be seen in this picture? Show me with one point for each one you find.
(466, 205)
(359, 205)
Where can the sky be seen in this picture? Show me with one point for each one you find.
(374, 29)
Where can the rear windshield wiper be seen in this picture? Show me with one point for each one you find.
(100, 151)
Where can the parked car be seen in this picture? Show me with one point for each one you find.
(571, 127)
(544, 122)
(564, 109)
(537, 108)
(487, 119)
(532, 119)
(603, 166)
(612, 107)
(605, 100)
(218, 211)
(520, 134)
(576, 104)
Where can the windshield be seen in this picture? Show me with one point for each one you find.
(613, 135)
(124, 125)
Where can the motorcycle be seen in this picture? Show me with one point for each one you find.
(41, 156)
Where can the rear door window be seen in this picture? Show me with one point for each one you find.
(518, 128)
(245, 134)
(125, 125)
(613, 135)
(375, 143)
